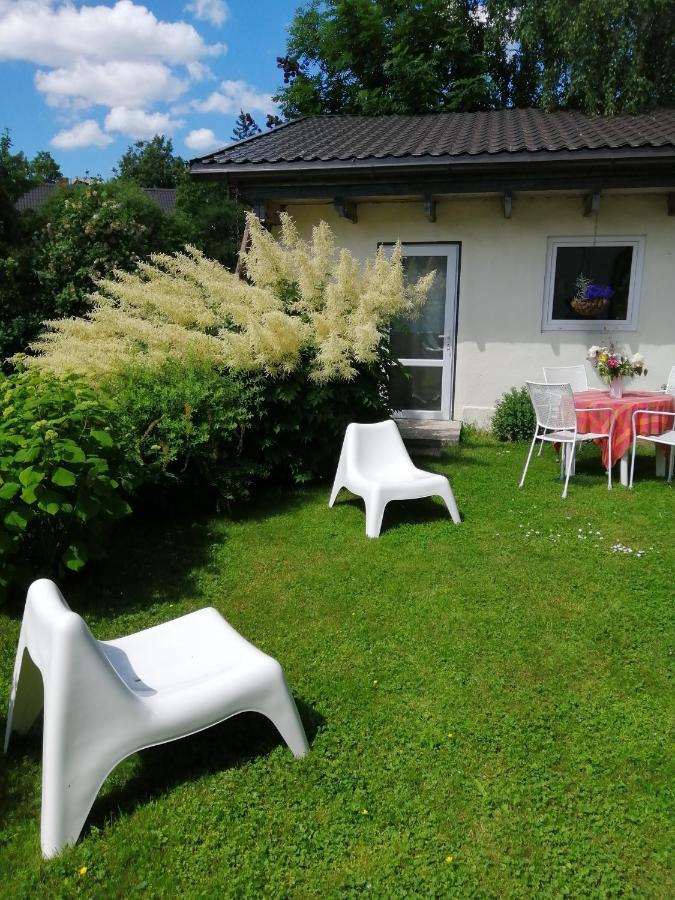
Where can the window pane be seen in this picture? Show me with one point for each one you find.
(422, 336)
(606, 266)
(421, 390)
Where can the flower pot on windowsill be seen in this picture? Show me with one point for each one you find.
(597, 306)
(616, 388)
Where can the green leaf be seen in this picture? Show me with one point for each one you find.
(9, 489)
(75, 557)
(28, 454)
(64, 477)
(16, 520)
(28, 494)
(30, 476)
(102, 437)
(71, 452)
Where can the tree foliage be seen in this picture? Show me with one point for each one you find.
(152, 164)
(244, 127)
(392, 56)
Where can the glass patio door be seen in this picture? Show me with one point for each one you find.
(425, 345)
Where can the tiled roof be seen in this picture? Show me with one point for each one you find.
(510, 131)
(35, 197)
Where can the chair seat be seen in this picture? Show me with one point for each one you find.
(667, 438)
(561, 437)
(181, 654)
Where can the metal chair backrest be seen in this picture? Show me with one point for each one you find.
(574, 375)
(553, 405)
(670, 384)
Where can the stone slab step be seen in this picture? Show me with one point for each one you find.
(428, 437)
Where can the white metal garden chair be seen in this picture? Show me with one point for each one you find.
(104, 700)
(665, 440)
(557, 424)
(575, 376)
(374, 464)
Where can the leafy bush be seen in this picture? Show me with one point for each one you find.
(63, 479)
(514, 416)
(190, 422)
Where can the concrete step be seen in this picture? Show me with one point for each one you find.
(429, 437)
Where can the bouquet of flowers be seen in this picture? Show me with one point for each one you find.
(591, 299)
(610, 362)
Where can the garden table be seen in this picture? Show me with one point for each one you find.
(589, 418)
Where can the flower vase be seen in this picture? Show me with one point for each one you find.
(616, 388)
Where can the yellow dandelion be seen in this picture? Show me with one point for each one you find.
(449, 859)
(364, 812)
(82, 870)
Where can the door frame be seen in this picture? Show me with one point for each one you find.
(448, 362)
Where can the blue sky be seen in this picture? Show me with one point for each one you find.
(86, 79)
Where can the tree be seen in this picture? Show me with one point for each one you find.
(86, 231)
(393, 56)
(599, 56)
(244, 127)
(151, 164)
(44, 168)
(356, 56)
(209, 219)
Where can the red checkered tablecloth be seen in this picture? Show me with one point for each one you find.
(592, 419)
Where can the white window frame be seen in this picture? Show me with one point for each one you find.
(630, 323)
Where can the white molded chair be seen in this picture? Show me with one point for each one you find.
(104, 700)
(670, 384)
(665, 440)
(575, 376)
(374, 464)
(557, 424)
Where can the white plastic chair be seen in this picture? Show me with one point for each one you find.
(374, 464)
(575, 376)
(670, 384)
(667, 439)
(557, 423)
(104, 700)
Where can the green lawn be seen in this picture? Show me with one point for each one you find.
(487, 704)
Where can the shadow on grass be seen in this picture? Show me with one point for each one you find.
(404, 512)
(230, 744)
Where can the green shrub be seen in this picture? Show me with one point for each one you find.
(63, 479)
(514, 416)
(190, 422)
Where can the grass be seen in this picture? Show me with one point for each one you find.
(487, 704)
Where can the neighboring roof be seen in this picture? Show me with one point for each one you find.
(35, 197)
(326, 139)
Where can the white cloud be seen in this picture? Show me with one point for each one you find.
(138, 124)
(84, 134)
(114, 83)
(203, 139)
(53, 34)
(233, 96)
(213, 11)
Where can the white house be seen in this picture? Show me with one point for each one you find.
(509, 207)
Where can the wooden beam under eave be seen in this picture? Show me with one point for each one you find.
(592, 203)
(429, 208)
(346, 209)
(507, 204)
(670, 200)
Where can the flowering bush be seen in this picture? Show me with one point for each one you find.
(300, 299)
(610, 362)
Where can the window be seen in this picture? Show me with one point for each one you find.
(593, 284)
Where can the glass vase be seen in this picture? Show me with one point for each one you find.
(616, 388)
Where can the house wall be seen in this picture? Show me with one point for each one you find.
(500, 342)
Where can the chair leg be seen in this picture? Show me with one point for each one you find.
(541, 447)
(374, 512)
(71, 781)
(282, 712)
(609, 463)
(529, 457)
(449, 498)
(632, 464)
(671, 452)
(570, 458)
(337, 487)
